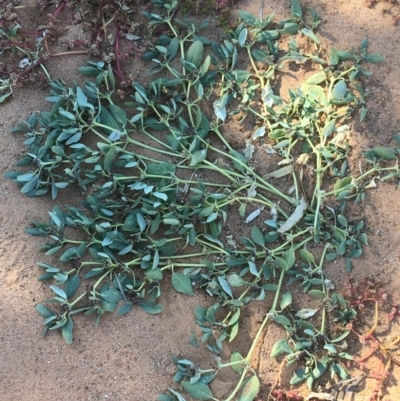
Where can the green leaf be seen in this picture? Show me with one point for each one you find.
(72, 285)
(342, 220)
(161, 169)
(200, 313)
(317, 293)
(234, 331)
(236, 357)
(118, 114)
(363, 113)
(261, 56)
(151, 308)
(333, 56)
(219, 107)
(178, 395)
(250, 389)
(290, 257)
(214, 240)
(234, 280)
(111, 295)
(295, 9)
(66, 331)
(173, 48)
(346, 55)
(163, 397)
(363, 238)
(198, 391)
(30, 185)
(257, 236)
(161, 195)
(283, 320)
(194, 54)
(280, 262)
(329, 127)
(205, 66)
(341, 337)
(248, 18)
(267, 36)
(81, 97)
(242, 37)
(69, 254)
(290, 28)
(197, 157)
(253, 268)
(154, 274)
(311, 35)
(107, 119)
(286, 300)
(260, 132)
(295, 217)
(172, 222)
(60, 292)
(89, 71)
(141, 222)
(356, 253)
(55, 219)
(306, 313)
(66, 114)
(270, 287)
(108, 306)
(319, 369)
(225, 286)
(331, 256)
(44, 311)
(374, 58)
(380, 152)
(182, 283)
(341, 183)
(339, 91)
(239, 161)
(298, 377)
(306, 255)
(280, 347)
(316, 78)
(125, 308)
(109, 159)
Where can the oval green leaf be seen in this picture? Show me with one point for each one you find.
(66, 331)
(44, 311)
(198, 391)
(111, 296)
(182, 283)
(194, 54)
(125, 308)
(72, 285)
(150, 308)
(250, 389)
(280, 347)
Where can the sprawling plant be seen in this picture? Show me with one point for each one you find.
(162, 182)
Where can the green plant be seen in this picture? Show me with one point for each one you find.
(150, 214)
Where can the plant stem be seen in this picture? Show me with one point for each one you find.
(257, 337)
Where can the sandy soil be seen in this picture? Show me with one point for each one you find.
(129, 358)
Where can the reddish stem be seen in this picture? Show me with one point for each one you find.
(117, 54)
(59, 9)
